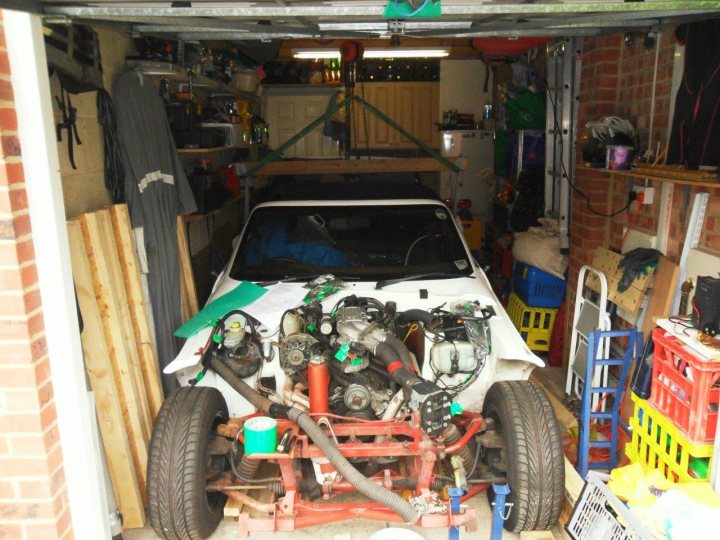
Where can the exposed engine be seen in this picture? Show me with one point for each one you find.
(351, 361)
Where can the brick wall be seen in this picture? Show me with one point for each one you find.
(618, 81)
(33, 495)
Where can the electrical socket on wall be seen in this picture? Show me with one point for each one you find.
(645, 194)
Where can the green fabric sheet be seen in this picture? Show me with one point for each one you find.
(242, 295)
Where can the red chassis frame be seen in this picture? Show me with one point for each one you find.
(292, 512)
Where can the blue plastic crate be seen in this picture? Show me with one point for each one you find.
(537, 288)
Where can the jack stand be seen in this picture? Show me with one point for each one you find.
(454, 493)
(499, 515)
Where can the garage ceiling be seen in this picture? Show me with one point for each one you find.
(297, 19)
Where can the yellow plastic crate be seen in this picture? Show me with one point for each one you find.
(658, 444)
(534, 324)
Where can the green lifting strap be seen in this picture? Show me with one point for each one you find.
(280, 150)
(385, 118)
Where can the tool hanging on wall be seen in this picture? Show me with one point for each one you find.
(69, 119)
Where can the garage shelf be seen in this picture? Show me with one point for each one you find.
(655, 178)
(213, 149)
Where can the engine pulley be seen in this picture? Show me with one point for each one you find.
(356, 397)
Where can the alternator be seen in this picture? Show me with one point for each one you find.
(295, 352)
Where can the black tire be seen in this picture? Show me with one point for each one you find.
(533, 453)
(179, 507)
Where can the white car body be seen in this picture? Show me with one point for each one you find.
(509, 359)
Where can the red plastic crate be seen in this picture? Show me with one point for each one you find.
(502, 259)
(685, 388)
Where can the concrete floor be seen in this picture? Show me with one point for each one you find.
(359, 529)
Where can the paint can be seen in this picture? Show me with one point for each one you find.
(618, 157)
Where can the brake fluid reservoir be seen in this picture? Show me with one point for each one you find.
(452, 357)
(292, 323)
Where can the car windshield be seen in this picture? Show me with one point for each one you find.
(353, 242)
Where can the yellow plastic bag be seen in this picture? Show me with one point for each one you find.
(636, 487)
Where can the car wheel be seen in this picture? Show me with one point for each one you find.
(533, 454)
(179, 464)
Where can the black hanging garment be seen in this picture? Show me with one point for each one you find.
(69, 114)
(695, 139)
(157, 191)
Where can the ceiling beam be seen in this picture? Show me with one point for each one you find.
(375, 9)
(236, 27)
(235, 36)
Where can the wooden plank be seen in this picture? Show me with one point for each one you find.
(110, 253)
(566, 419)
(138, 306)
(187, 279)
(661, 295)
(607, 262)
(675, 173)
(232, 509)
(102, 381)
(184, 301)
(710, 184)
(341, 166)
(109, 301)
(573, 488)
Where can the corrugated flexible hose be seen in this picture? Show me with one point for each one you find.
(363, 484)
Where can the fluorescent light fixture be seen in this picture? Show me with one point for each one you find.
(400, 52)
(312, 54)
(375, 52)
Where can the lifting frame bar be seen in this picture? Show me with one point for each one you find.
(278, 152)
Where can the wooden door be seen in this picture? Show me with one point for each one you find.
(414, 106)
(370, 131)
(287, 115)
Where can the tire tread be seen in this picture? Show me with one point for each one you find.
(536, 467)
(177, 504)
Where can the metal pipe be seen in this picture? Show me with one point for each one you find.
(391, 411)
(268, 508)
(470, 431)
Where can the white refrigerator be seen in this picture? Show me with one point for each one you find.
(476, 181)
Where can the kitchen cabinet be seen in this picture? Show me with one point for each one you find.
(413, 105)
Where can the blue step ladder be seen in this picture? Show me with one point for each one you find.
(590, 395)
